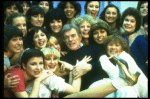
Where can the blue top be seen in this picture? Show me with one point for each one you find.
(6, 62)
(139, 51)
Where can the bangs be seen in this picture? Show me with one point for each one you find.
(48, 52)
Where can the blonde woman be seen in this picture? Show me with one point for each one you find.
(51, 60)
(84, 23)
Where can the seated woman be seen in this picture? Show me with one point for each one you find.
(51, 60)
(84, 23)
(117, 46)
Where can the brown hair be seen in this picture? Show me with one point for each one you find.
(116, 38)
(140, 3)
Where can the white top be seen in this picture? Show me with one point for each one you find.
(51, 83)
(141, 87)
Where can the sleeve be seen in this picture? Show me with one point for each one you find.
(108, 67)
(57, 83)
(20, 87)
(143, 46)
(6, 62)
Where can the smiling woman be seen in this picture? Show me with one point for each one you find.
(37, 38)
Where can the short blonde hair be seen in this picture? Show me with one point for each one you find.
(80, 19)
(49, 51)
(51, 40)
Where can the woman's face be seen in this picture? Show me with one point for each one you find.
(20, 22)
(144, 9)
(99, 35)
(39, 39)
(34, 67)
(37, 20)
(25, 7)
(51, 63)
(129, 24)
(56, 26)
(146, 26)
(111, 15)
(84, 29)
(56, 45)
(93, 8)
(10, 10)
(44, 5)
(114, 49)
(69, 10)
(15, 44)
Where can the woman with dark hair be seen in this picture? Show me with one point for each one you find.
(37, 38)
(145, 25)
(70, 8)
(26, 5)
(131, 23)
(92, 8)
(11, 7)
(54, 21)
(111, 15)
(32, 64)
(99, 31)
(46, 5)
(13, 43)
(143, 8)
(35, 16)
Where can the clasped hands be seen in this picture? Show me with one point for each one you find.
(81, 67)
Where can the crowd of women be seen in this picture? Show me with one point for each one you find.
(55, 52)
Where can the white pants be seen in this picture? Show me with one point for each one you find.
(124, 92)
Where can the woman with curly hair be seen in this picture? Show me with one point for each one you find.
(84, 23)
(111, 15)
(131, 23)
(70, 8)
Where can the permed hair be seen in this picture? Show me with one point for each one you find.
(116, 39)
(76, 5)
(102, 16)
(80, 19)
(130, 11)
(49, 51)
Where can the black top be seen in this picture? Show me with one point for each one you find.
(97, 72)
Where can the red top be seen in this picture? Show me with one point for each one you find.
(21, 85)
